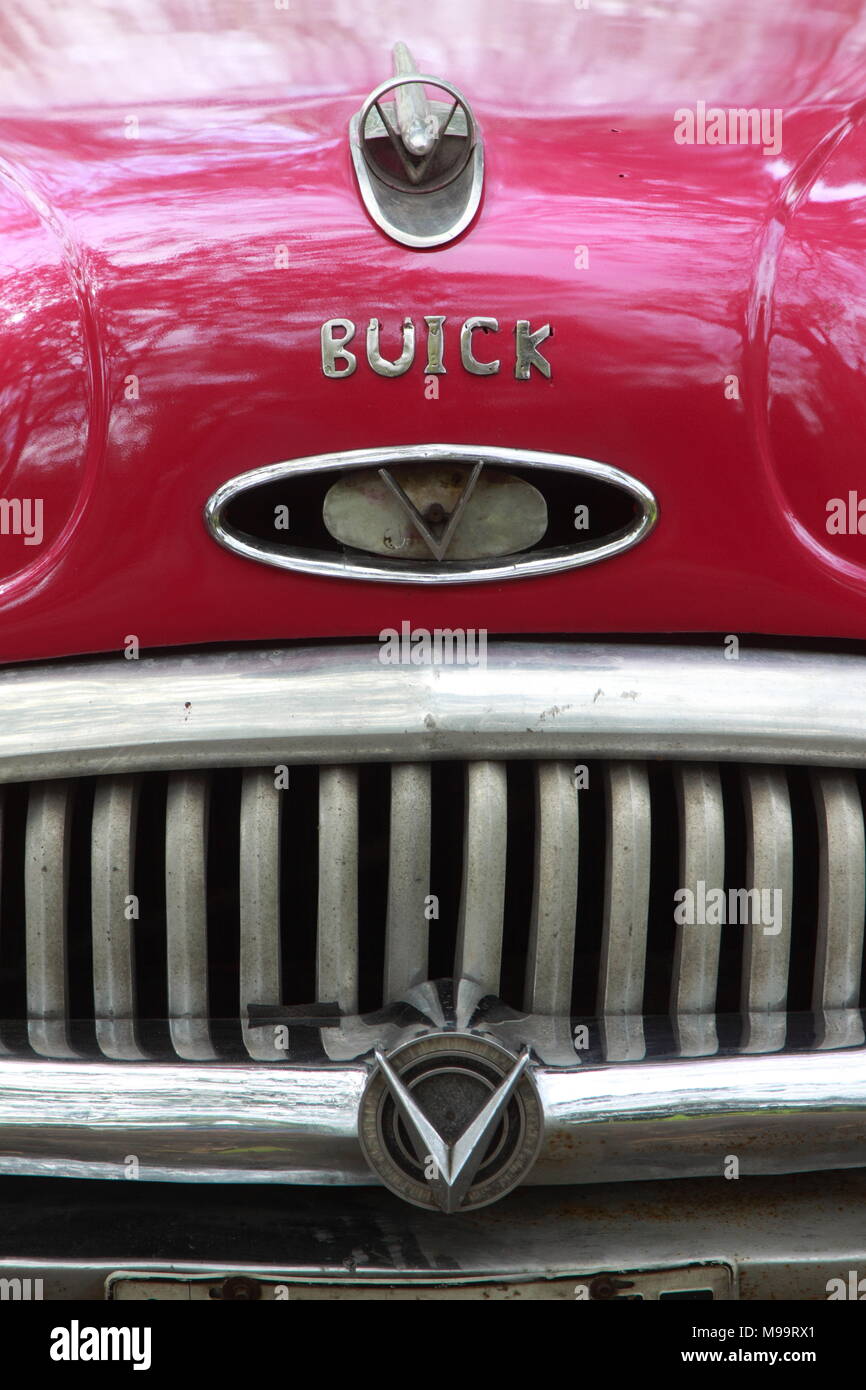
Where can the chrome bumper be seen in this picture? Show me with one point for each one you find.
(339, 704)
(188, 1123)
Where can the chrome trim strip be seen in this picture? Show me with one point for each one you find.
(841, 905)
(481, 918)
(196, 1123)
(406, 926)
(112, 862)
(186, 838)
(337, 912)
(356, 566)
(46, 880)
(769, 868)
(260, 960)
(622, 967)
(340, 704)
(550, 955)
(695, 974)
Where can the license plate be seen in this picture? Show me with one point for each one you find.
(711, 1281)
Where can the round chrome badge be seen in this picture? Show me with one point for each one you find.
(451, 1121)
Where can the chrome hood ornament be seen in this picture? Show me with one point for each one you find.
(419, 161)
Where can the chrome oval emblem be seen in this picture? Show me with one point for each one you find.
(414, 520)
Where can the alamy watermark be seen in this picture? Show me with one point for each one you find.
(715, 125)
(713, 907)
(77, 1343)
(22, 516)
(439, 646)
(21, 1290)
(846, 516)
(854, 1288)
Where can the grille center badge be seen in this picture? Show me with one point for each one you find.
(451, 1122)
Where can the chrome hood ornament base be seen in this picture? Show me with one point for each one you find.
(419, 161)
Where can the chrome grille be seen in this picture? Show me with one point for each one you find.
(556, 899)
(153, 782)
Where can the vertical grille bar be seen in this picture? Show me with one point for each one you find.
(112, 860)
(482, 895)
(337, 946)
(550, 959)
(186, 825)
(626, 907)
(769, 869)
(841, 907)
(408, 879)
(46, 879)
(696, 953)
(260, 950)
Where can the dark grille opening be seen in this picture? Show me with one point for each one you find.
(519, 870)
(446, 864)
(299, 857)
(804, 905)
(374, 817)
(861, 785)
(13, 983)
(79, 936)
(149, 933)
(591, 803)
(731, 949)
(664, 881)
(223, 904)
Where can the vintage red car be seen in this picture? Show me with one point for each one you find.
(432, 618)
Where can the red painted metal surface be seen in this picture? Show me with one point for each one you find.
(140, 238)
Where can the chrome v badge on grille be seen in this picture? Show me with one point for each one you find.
(451, 1121)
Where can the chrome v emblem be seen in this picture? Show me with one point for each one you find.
(454, 1165)
(438, 542)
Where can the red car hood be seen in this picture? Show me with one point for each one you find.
(167, 261)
